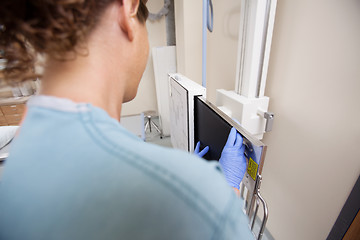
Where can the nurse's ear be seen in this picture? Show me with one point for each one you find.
(127, 17)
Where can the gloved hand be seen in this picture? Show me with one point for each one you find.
(203, 152)
(232, 160)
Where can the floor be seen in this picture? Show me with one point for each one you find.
(155, 137)
(136, 123)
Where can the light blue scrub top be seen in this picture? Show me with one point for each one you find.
(76, 173)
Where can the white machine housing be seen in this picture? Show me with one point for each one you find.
(249, 112)
(182, 93)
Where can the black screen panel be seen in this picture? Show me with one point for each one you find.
(210, 129)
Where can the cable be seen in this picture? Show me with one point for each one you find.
(208, 24)
(210, 16)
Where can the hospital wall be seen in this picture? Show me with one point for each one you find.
(146, 96)
(313, 83)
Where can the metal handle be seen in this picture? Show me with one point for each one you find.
(265, 208)
(265, 218)
(255, 201)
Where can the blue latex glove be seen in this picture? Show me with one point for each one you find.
(203, 152)
(232, 160)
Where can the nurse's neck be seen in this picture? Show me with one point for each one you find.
(84, 80)
(93, 77)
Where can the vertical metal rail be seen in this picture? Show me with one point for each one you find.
(263, 46)
(243, 47)
(255, 214)
(170, 25)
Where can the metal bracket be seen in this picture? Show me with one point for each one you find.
(269, 116)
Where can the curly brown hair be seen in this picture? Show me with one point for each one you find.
(51, 27)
